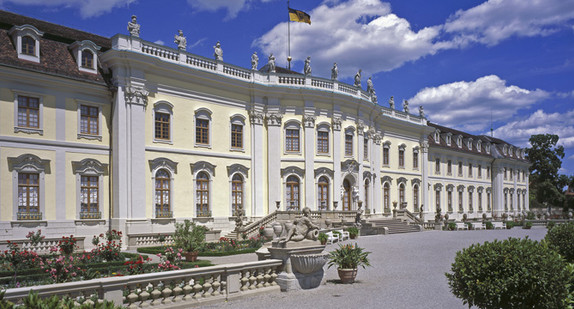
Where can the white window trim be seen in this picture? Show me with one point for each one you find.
(292, 125)
(366, 154)
(402, 147)
(329, 187)
(79, 119)
(416, 150)
(349, 131)
(209, 169)
(166, 108)
(386, 145)
(237, 120)
(40, 129)
(203, 113)
(28, 163)
(285, 176)
(324, 127)
(89, 167)
(18, 32)
(78, 47)
(170, 166)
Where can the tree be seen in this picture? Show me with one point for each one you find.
(546, 185)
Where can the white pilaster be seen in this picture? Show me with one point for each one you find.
(497, 173)
(336, 125)
(424, 165)
(309, 124)
(376, 170)
(274, 137)
(257, 165)
(361, 154)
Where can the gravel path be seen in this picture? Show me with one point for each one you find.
(408, 272)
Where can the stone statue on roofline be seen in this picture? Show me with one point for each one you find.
(254, 61)
(358, 79)
(180, 40)
(334, 72)
(271, 63)
(392, 103)
(421, 111)
(218, 52)
(406, 106)
(370, 86)
(134, 27)
(307, 67)
(303, 228)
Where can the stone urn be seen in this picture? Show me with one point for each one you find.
(268, 232)
(308, 263)
(328, 222)
(277, 229)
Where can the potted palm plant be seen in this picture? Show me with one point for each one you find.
(190, 238)
(323, 238)
(348, 258)
(353, 232)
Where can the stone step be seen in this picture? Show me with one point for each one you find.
(395, 226)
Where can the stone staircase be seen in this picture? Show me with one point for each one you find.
(395, 226)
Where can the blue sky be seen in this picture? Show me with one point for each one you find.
(466, 62)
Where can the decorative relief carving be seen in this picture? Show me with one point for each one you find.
(336, 122)
(460, 188)
(401, 180)
(350, 166)
(425, 146)
(388, 179)
(29, 163)
(479, 189)
(256, 117)
(158, 163)
(360, 127)
(415, 181)
(203, 166)
(324, 171)
(309, 121)
(449, 188)
(378, 138)
(274, 119)
(90, 167)
(292, 170)
(470, 189)
(237, 168)
(368, 175)
(136, 95)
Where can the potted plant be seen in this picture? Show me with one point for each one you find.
(348, 258)
(190, 238)
(323, 238)
(353, 232)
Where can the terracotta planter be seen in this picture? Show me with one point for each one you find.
(347, 276)
(190, 256)
(323, 242)
(352, 236)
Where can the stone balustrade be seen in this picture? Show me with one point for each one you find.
(43, 247)
(170, 289)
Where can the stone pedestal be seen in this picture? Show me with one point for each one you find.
(309, 259)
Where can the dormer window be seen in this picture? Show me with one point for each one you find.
(27, 41)
(469, 144)
(488, 148)
(459, 141)
(85, 53)
(505, 150)
(437, 136)
(448, 138)
(478, 146)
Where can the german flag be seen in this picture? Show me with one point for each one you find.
(299, 16)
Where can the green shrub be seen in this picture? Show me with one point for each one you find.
(561, 239)
(451, 226)
(514, 273)
(189, 236)
(489, 225)
(322, 238)
(509, 224)
(527, 225)
(550, 225)
(530, 216)
(353, 231)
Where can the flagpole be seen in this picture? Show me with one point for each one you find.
(288, 37)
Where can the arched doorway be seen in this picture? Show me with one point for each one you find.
(347, 195)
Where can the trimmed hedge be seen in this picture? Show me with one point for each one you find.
(561, 239)
(514, 273)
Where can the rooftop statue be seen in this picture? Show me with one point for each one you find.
(358, 79)
(180, 40)
(334, 72)
(421, 111)
(406, 106)
(134, 27)
(370, 87)
(307, 68)
(302, 229)
(271, 63)
(254, 61)
(218, 52)
(392, 102)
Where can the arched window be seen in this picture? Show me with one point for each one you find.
(347, 195)
(367, 184)
(323, 193)
(236, 193)
(28, 194)
(387, 197)
(449, 200)
(28, 45)
(416, 197)
(162, 194)
(202, 195)
(292, 191)
(87, 59)
(89, 195)
(401, 194)
(402, 155)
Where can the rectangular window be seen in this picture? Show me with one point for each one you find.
(386, 156)
(449, 201)
(28, 112)
(437, 200)
(415, 160)
(460, 169)
(460, 209)
(479, 201)
(366, 149)
(89, 197)
(401, 158)
(469, 170)
(236, 136)
(202, 131)
(87, 59)
(437, 166)
(28, 46)
(479, 171)
(292, 140)
(505, 174)
(28, 196)
(161, 126)
(488, 201)
(89, 116)
(449, 167)
(470, 206)
(348, 145)
(322, 142)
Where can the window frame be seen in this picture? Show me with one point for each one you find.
(401, 158)
(28, 164)
(166, 108)
(18, 33)
(163, 180)
(292, 137)
(291, 182)
(203, 115)
(415, 158)
(234, 136)
(200, 191)
(387, 154)
(323, 192)
(235, 193)
(349, 143)
(78, 48)
(25, 129)
(82, 135)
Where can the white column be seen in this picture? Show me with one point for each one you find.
(360, 153)
(309, 124)
(337, 161)
(424, 190)
(376, 170)
(497, 174)
(257, 165)
(274, 142)
(527, 199)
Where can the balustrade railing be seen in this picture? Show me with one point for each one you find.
(170, 289)
(237, 72)
(29, 215)
(319, 83)
(160, 51)
(291, 80)
(201, 62)
(43, 247)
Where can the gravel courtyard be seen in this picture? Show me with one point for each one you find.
(407, 272)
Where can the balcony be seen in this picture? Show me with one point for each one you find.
(29, 215)
(90, 215)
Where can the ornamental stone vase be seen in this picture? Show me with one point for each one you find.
(268, 232)
(347, 275)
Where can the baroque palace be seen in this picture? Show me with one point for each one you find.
(99, 133)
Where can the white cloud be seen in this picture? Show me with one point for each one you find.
(496, 20)
(159, 42)
(571, 157)
(233, 7)
(540, 122)
(468, 105)
(355, 34)
(88, 8)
